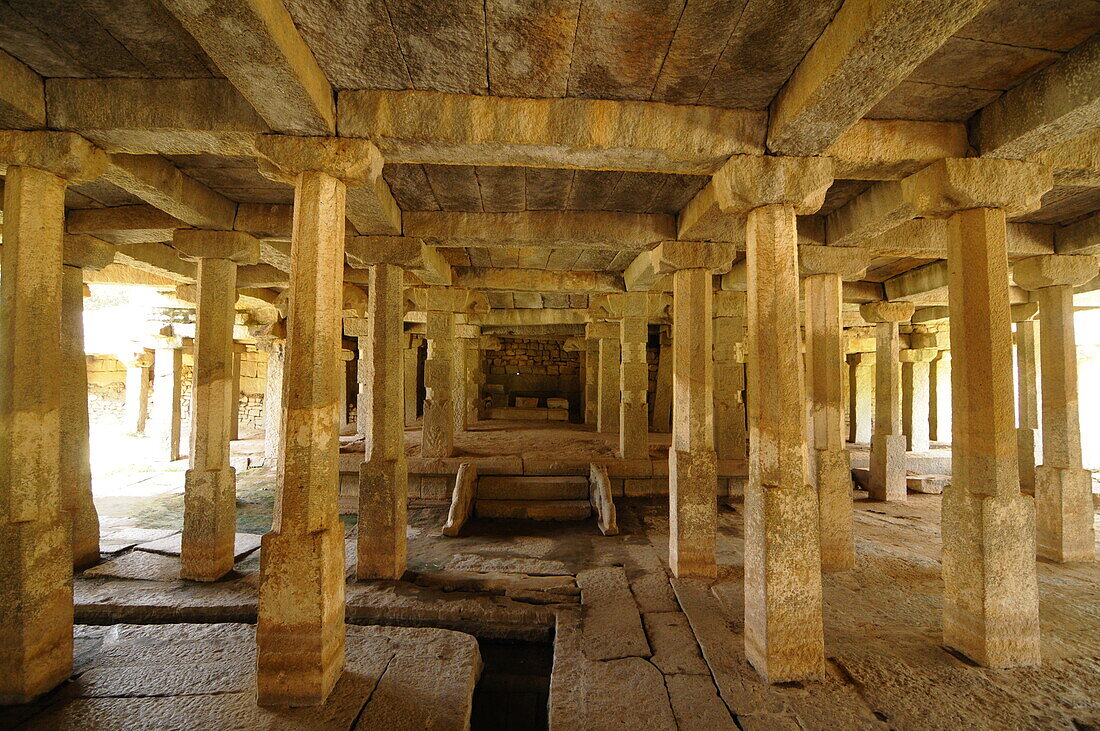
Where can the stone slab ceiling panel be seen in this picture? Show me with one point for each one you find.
(506, 189)
(236, 177)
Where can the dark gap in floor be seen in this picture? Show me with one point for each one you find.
(514, 690)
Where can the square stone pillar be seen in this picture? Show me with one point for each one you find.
(990, 609)
(439, 372)
(474, 378)
(410, 358)
(591, 376)
(273, 396)
(939, 397)
(136, 408)
(915, 368)
(1027, 392)
(861, 396)
(166, 414)
(887, 479)
(383, 475)
(607, 376)
(346, 356)
(731, 438)
(80, 253)
(1063, 489)
(235, 395)
(467, 339)
(210, 508)
(631, 309)
(662, 397)
(36, 592)
(300, 628)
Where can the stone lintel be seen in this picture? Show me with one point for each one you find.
(671, 256)
(1023, 312)
(87, 252)
(849, 263)
(449, 299)
(236, 246)
(746, 182)
(65, 154)
(22, 95)
(887, 311)
(575, 345)
(356, 162)
(1082, 237)
(917, 355)
(936, 313)
(601, 330)
(650, 305)
(410, 253)
(356, 327)
(1054, 270)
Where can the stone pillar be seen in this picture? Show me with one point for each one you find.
(346, 356)
(458, 380)
(467, 339)
(383, 475)
(591, 375)
(861, 396)
(915, 397)
(474, 378)
(235, 395)
(731, 439)
(210, 508)
(990, 611)
(439, 406)
(167, 412)
(273, 397)
(300, 629)
(410, 355)
(662, 397)
(939, 398)
(136, 409)
(75, 471)
(631, 309)
(783, 622)
(36, 591)
(887, 479)
(824, 270)
(1063, 489)
(607, 376)
(1027, 392)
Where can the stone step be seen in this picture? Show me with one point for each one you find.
(927, 484)
(533, 509)
(532, 487)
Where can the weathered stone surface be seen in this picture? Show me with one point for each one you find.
(62, 154)
(138, 565)
(696, 704)
(243, 544)
(462, 499)
(603, 503)
(674, 648)
(880, 312)
(610, 624)
(1054, 270)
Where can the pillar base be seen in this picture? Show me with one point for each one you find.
(1026, 443)
(437, 436)
(1063, 504)
(991, 603)
(834, 492)
(36, 609)
(209, 524)
(693, 513)
(300, 630)
(887, 481)
(383, 496)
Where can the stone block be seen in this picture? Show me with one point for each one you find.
(1064, 528)
(887, 480)
(533, 509)
(526, 402)
(611, 625)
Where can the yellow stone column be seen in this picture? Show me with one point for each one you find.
(731, 436)
(608, 347)
(1063, 489)
(81, 252)
(166, 412)
(136, 408)
(990, 607)
(36, 591)
(824, 270)
(783, 624)
(939, 398)
(632, 310)
(300, 630)
(915, 371)
(662, 396)
(861, 396)
(210, 484)
(887, 480)
(410, 355)
(1027, 392)
(591, 375)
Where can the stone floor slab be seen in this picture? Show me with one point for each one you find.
(611, 625)
(243, 544)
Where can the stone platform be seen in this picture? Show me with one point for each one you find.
(190, 676)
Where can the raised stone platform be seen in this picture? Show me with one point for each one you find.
(186, 676)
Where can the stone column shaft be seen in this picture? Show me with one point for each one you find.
(410, 356)
(783, 624)
(439, 372)
(383, 475)
(990, 610)
(458, 384)
(607, 409)
(273, 399)
(300, 632)
(915, 369)
(861, 396)
(662, 397)
(136, 408)
(36, 592)
(634, 383)
(167, 412)
(730, 434)
(591, 381)
(1027, 403)
(939, 398)
(692, 462)
(235, 399)
(887, 480)
(825, 393)
(210, 508)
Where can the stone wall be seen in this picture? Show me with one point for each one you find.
(539, 367)
(106, 389)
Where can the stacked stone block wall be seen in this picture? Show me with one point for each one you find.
(538, 367)
(106, 389)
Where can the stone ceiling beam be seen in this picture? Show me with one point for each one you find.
(551, 229)
(926, 238)
(159, 259)
(890, 149)
(1076, 161)
(136, 224)
(22, 95)
(1054, 105)
(927, 285)
(1082, 237)
(866, 50)
(160, 183)
(257, 46)
(537, 280)
(409, 253)
(468, 129)
(149, 116)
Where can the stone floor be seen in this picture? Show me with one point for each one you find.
(634, 648)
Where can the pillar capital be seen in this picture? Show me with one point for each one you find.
(406, 252)
(1054, 270)
(574, 345)
(355, 162)
(884, 311)
(467, 332)
(617, 305)
(87, 252)
(669, 256)
(849, 263)
(236, 246)
(917, 355)
(601, 330)
(957, 184)
(1024, 311)
(746, 182)
(458, 300)
(65, 154)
